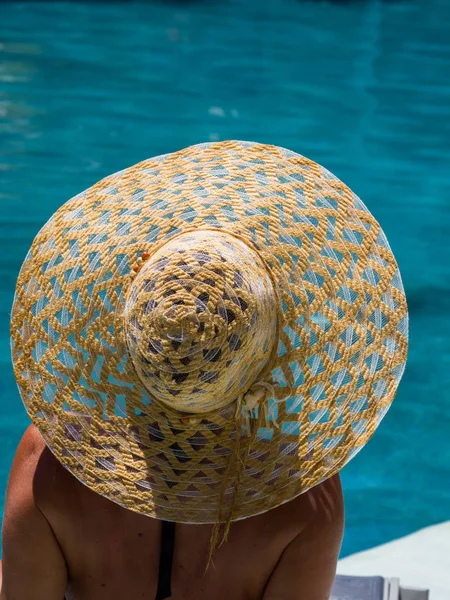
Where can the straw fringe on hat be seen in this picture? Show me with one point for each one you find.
(209, 333)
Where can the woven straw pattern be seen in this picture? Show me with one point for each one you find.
(200, 321)
(318, 307)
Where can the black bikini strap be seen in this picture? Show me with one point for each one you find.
(166, 560)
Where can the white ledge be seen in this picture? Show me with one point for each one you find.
(420, 560)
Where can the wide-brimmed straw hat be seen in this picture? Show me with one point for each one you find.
(209, 333)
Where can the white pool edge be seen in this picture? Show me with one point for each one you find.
(420, 560)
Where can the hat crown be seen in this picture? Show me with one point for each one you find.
(200, 320)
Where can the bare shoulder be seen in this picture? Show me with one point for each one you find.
(33, 565)
(327, 502)
(320, 507)
(22, 477)
(27, 457)
(33, 467)
(309, 561)
(31, 445)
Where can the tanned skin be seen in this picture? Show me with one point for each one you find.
(61, 540)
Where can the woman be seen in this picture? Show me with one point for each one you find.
(204, 339)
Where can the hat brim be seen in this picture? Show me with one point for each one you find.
(341, 349)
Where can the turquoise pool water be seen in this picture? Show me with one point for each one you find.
(361, 87)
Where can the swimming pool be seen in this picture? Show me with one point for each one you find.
(361, 87)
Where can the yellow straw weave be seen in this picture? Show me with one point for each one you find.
(228, 298)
